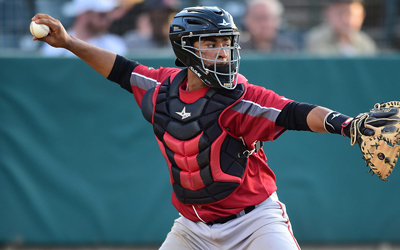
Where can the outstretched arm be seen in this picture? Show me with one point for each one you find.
(316, 119)
(376, 132)
(304, 116)
(99, 59)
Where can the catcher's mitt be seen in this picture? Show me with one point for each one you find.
(378, 134)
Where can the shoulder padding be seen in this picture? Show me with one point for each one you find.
(147, 105)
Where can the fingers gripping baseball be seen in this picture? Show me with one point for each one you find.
(58, 36)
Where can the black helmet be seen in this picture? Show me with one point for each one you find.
(191, 25)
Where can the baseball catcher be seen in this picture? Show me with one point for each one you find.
(207, 119)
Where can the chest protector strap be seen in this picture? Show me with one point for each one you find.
(206, 163)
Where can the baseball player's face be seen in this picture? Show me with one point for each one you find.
(346, 17)
(262, 21)
(211, 49)
(97, 23)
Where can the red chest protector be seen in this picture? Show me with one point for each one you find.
(206, 163)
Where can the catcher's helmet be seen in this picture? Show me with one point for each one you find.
(191, 25)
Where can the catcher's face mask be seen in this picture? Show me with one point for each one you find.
(218, 57)
(216, 66)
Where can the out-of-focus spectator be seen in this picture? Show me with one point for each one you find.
(129, 10)
(92, 20)
(13, 24)
(340, 33)
(262, 22)
(152, 26)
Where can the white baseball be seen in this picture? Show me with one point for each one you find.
(39, 30)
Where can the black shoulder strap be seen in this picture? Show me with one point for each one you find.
(147, 104)
(176, 83)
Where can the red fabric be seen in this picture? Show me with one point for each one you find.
(260, 128)
(259, 182)
(191, 180)
(190, 147)
(159, 75)
(185, 157)
(216, 171)
(188, 98)
(187, 163)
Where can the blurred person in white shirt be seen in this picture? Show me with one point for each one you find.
(340, 33)
(92, 20)
(263, 22)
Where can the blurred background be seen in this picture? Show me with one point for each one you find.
(79, 166)
(139, 25)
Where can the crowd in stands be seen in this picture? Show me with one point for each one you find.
(130, 27)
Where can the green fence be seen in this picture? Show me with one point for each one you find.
(79, 164)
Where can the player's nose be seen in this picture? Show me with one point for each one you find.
(223, 53)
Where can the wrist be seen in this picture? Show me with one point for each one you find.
(69, 42)
(346, 127)
(337, 123)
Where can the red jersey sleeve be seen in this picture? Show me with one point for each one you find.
(144, 78)
(242, 79)
(253, 118)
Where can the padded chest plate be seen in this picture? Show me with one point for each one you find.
(206, 164)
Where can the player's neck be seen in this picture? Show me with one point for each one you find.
(194, 82)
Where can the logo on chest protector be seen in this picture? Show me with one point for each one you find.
(183, 113)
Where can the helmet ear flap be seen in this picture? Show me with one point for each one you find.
(189, 43)
(179, 63)
(192, 40)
